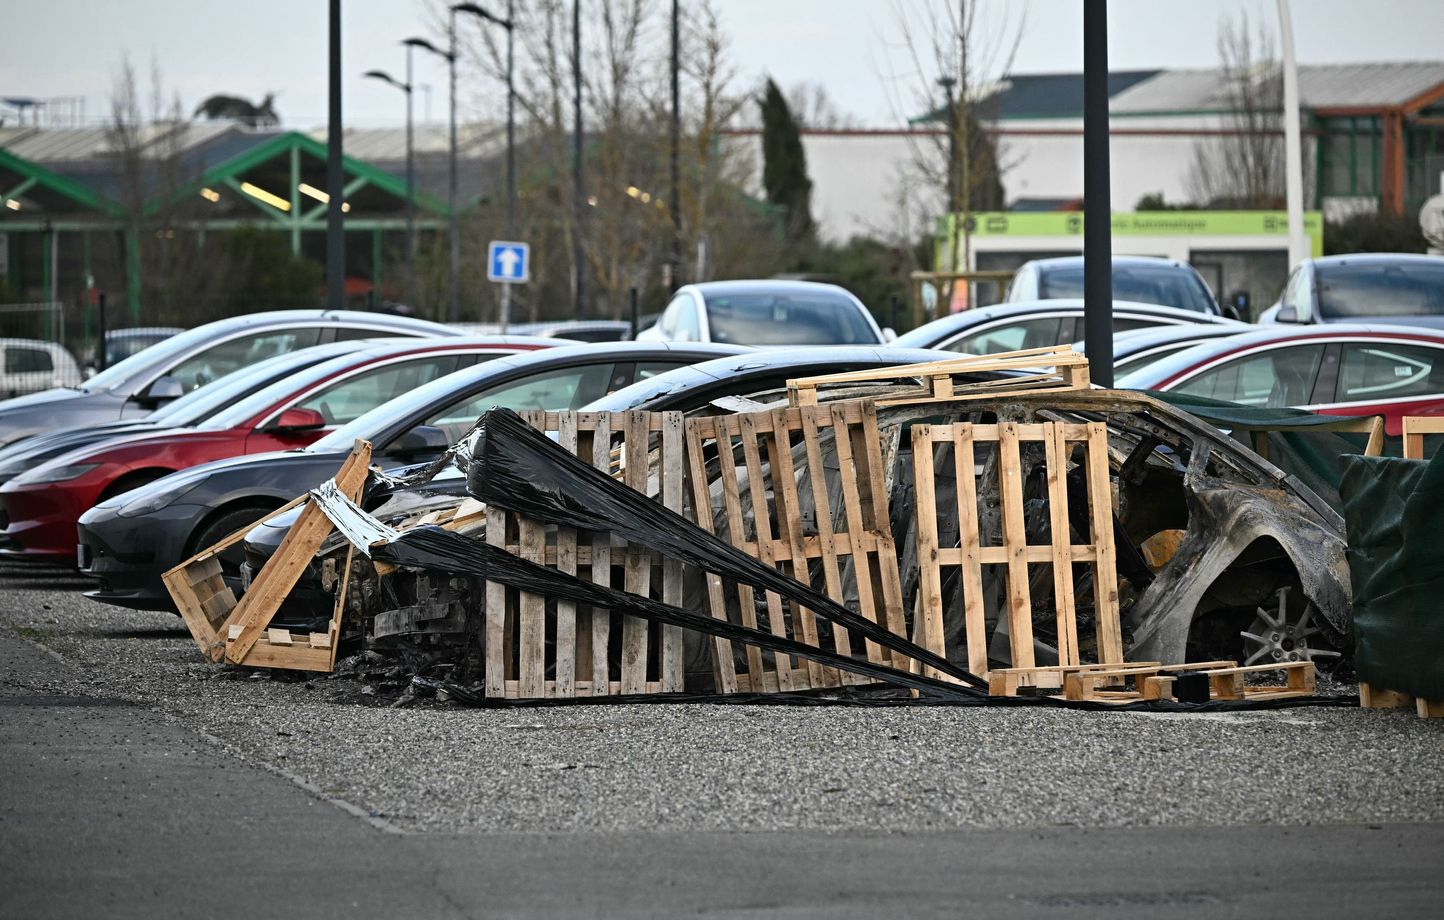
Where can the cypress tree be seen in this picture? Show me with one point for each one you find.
(784, 164)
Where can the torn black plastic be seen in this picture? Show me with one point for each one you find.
(514, 466)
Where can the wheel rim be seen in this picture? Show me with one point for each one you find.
(1277, 637)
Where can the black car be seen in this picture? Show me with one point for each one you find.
(191, 409)
(1040, 324)
(190, 360)
(127, 542)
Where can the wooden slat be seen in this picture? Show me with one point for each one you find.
(928, 628)
(1105, 569)
(601, 569)
(724, 672)
(671, 469)
(827, 549)
(1041, 554)
(889, 579)
(637, 567)
(1015, 539)
(531, 607)
(497, 651)
(565, 670)
(1055, 448)
(736, 529)
(852, 504)
(777, 438)
(974, 625)
(756, 483)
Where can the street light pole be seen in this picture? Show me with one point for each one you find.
(453, 308)
(674, 199)
(1097, 210)
(509, 23)
(579, 184)
(335, 171)
(406, 88)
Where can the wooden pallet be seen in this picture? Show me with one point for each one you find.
(1053, 368)
(1155, 682)
(1415, 428)
(804, 490)
(533, 652)
(1371, 697)
(240, 631)
(1061, 442)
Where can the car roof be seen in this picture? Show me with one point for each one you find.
(1379, 258)
(955, 323)
(1133, 340)
(1207, 350)
(1069, 261)
(764, 285)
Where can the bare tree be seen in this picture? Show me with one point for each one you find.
(815, 109)
(1244, 168)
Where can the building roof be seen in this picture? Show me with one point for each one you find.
(1321, 86)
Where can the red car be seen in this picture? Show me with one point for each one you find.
(39, 508)
(1334, 369)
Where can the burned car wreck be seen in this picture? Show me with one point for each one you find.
(864, 530)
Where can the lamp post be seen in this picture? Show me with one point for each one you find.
(509, 24)
(406, 88)
(453, 307)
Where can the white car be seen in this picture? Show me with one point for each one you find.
(31, 365)
(765, 314)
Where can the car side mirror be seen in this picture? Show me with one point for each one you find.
(164, 389)
(423, 439)
(296, 419)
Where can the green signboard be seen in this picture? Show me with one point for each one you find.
(1145, 223)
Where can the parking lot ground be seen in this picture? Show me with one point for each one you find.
(141, 782)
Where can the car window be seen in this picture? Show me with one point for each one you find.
(1389, 371)
(688, 328)
(647, 369)
(1380, 289)
(219, 360)
(1126, 324)
(793, 318)
(1161, 284)
(1273, 379)
(22, 360)
(344, 400)
(1028, 333)
(553, 391)
(1131, 364)
(667, 325)
(1289, 302)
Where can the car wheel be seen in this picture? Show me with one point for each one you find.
(222, 526)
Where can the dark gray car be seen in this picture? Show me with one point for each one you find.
(181, 363)
(129, 541)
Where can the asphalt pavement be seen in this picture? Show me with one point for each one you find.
(127, 793)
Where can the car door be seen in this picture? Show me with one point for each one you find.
(1274, 377)
(1011, 335)
(1392, 378)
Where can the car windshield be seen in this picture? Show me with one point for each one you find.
(1362, 289)
(1165, 285)
(787, 319)
(158, 354)
(261, 400)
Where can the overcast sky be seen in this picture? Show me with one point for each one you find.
(853, 48)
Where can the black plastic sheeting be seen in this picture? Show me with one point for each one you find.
(1392, 509)
(516, 467)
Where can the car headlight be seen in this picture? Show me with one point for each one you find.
(152, 499)
(49, 473)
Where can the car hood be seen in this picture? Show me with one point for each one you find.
(1427, 322)
(50, 410)
(38, 448)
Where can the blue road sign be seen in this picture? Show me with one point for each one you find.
(508, 262)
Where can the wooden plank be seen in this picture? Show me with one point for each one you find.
(1015, 540)
(761, 520)
(565, 669)
(338, 613)
(827, 544)
(531, 615)
(928, 628)
(671, 469)
(1379, 698)
(974, 624)
(1056, 457)
(852, 504)
(496, 650)
(777, 438)
(889, 578)
(637, 566)
(281, 572)
(601, 568)
(999, 555)
(727, 429)
(1415, 428)
(1105, 569)
(724, 672)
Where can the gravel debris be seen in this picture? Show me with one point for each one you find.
(428, 766)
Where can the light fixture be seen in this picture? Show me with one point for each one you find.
(633, 191)
(592, 200)
(311, 191)
(210, 194)
(12, 204)
(260, 194)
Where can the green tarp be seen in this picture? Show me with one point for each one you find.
(1393, 510)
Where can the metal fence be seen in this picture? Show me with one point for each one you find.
(33, 355)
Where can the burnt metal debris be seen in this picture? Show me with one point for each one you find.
(1018, 539)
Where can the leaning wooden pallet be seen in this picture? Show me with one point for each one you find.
(240, 632)
(1061, 443)
(817, 473)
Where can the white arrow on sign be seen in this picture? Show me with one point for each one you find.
(510, 263)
